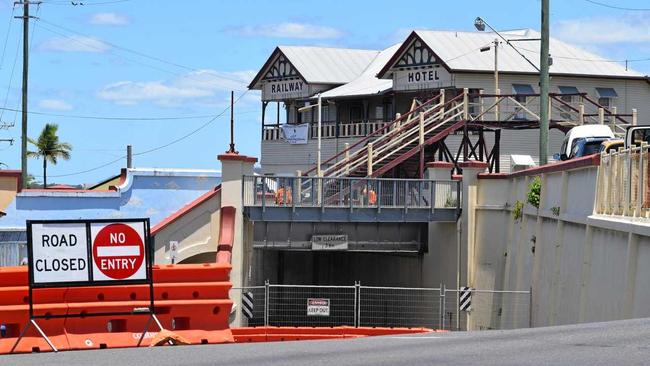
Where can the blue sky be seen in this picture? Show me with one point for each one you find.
(175, 59)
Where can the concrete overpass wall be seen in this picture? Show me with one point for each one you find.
(581, 267)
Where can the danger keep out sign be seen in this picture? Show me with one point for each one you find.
(84, 252)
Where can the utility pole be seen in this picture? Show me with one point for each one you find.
(23, 147)
(496, 65)
(543, 86)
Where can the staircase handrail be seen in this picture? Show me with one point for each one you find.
(388, 137)
(375, 133)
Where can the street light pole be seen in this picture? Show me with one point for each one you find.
(319, 172)
(543, 86)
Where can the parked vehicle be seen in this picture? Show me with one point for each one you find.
(611, 145)
(635, 135)
(584, 140)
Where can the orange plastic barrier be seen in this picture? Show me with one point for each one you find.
(279, 334)
(190, 299)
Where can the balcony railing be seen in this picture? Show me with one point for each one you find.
(353, 193)
(329, 129)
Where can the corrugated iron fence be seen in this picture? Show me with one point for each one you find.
(373, 306)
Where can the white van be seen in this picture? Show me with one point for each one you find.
(584, 140)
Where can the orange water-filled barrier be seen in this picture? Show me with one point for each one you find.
(190, 299)
(279, 334)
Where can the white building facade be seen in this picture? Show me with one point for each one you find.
(363, 90)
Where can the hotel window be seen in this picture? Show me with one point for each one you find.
(379, 113)
(521, 90)
(356, 113)
(325, 109)
(606, 97)
(308, 115)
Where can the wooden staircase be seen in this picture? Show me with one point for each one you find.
(401, 141)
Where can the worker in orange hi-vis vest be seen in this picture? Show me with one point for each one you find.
(369, 196)
(283, 195)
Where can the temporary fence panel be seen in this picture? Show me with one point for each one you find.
(399, 307)
(292, 305)
(374, 306)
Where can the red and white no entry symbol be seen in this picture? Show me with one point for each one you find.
(118, 251)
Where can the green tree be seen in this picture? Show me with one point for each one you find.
(49, 148)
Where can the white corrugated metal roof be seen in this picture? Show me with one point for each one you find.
(324, 65)
(461, 51)
(367, 83)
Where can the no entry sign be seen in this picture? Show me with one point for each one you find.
(118, 251)
(82, 252)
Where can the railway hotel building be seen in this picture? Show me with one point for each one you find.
(363, 90)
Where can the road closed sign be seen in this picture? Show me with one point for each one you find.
(84, 252)
(59, 253)
(118, 251)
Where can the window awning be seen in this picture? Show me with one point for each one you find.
(568, 90)
(523, 89)
(607, 92)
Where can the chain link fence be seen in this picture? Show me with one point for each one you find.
(373, 306)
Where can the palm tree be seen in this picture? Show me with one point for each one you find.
(49, 147)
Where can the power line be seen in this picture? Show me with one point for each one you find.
(192, 132)
(76, 116)
(139, 53)
(4, 47)
(155, 148)
(587, 59)
(96, 47)
(616, 7)
(83, 3)
(11, 81)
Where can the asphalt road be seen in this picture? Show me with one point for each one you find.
(612, 343)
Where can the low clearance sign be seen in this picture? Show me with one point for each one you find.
(85, 252)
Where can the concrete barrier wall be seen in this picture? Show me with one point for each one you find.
(581, 267)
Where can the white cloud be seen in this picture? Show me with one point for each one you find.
(197, 86)
(288, 30)
(74, 43)
(108, 19)
(601, 30)
(54, 105)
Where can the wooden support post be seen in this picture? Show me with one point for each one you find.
(480, 92)
(442, 103)
(421, 165)
(421, 128)
(612, 119)
(634, 117)
(347, 158)
(641, 184)
(398, 124)
(296, 192)
(601, 116)
(369, 159)
(581, 114)
(465, 104)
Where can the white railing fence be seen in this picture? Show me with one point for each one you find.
(623, 184)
